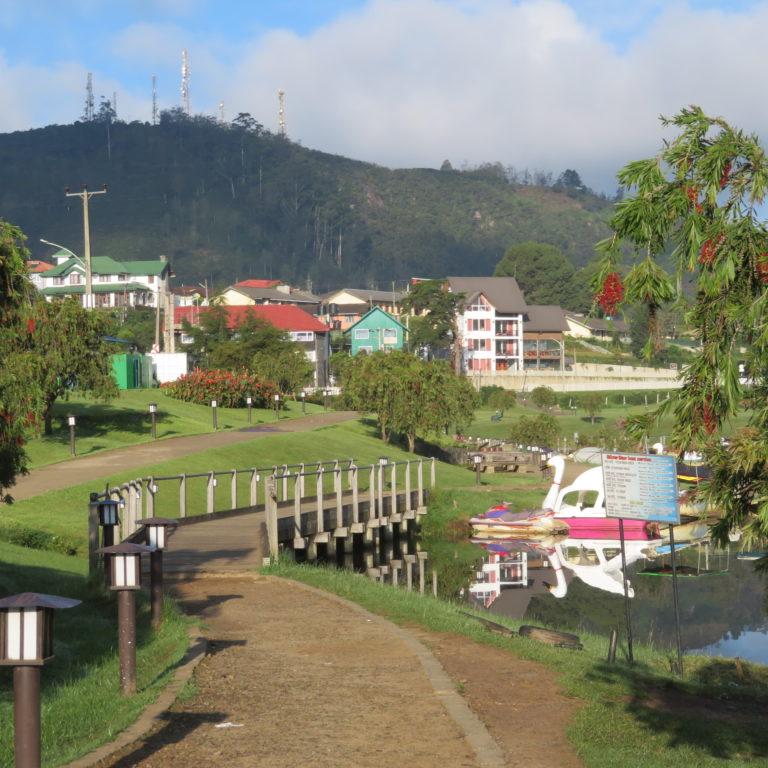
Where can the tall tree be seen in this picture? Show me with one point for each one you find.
(434, 323)
(545, 275)
(699, 198)
(20, 400)
(72, 342)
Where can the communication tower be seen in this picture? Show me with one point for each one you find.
(185, 81)
(221, 111)
(89, 97)
(281, 112)
(154, 99)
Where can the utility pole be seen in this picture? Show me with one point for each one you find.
(85, 196)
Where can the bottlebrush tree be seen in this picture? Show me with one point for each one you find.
(699, 200)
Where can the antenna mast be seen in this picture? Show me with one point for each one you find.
(281, 112)
(185, 81)
(154, 99)
(89, 97)
(221, 111)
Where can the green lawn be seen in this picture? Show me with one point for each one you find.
(126, 421)
(82, 707)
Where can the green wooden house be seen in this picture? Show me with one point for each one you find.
(376, 330)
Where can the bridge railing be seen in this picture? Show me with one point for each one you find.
(257, 488)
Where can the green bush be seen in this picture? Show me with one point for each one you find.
(31, 538)
(542, 430)
(544, 397)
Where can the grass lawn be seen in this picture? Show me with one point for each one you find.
(126, 421)
(64, 513)
(81, 705)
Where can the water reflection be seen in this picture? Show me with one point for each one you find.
(722, 599)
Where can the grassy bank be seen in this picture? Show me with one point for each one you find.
(81, 705)
(64, 513)
(620, 722)
(126, 421)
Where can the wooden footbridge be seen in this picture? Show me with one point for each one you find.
(233, 519)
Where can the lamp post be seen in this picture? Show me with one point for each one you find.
(26, 643)
(277, 407)
(478, 460)
(214, 406)
(125, 578)
(153, 415)
(71, 421)
(249, 404)
(157, 538)
(303, 401)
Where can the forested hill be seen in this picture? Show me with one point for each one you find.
(228, 202)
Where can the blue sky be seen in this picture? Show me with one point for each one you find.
(543, 84)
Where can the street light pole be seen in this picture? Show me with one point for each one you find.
(85, 196)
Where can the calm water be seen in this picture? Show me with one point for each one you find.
(723, 604)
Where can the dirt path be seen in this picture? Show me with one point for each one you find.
(64, 474)
(295, 677)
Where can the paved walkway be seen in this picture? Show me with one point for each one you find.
(54, 477)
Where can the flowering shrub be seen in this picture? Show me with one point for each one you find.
(227, 388)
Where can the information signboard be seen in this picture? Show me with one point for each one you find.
(641, 487)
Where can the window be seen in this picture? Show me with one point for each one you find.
(302, 335)
(75, 278)
(187, 338)
(480, 305)
(479, 345)
(150, 279)
(361, 334)
(122, 276)
(58, 281)
(390, 335)
(104, 278)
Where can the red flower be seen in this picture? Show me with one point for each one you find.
(611, 293)
(762, 267)
(709, 249)
(726, 174)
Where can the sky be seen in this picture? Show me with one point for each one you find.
(538, 84)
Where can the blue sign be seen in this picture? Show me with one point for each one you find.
(641, 487)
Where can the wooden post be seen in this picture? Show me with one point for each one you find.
(408, 575)
(420, 480)
(151, 496)
(233, 490)
(183, 495)
(355, 493)
(254, 487)
(372, 494)
(434, 583)
(286, 474)
(433, 473)
(380, 494)
(337, 482)
(271, 513)
(408, 500)
(303, 480)
(93, 533)
(211, 493)
(297, 533)
(393, 497)
(320, 526)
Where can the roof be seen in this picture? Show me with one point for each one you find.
(273, 294)
(35, 266)
(257, 284)
(68, 290)
(379, 311)
(104, 265)
(502, 292)
(283, 316)
(365, 295)
(600, 324)
(544, 318)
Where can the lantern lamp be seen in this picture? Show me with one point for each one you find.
(153, 407)
(125, 565)
(157, 533)
(249, 400)
(26, 627)
(383, 460)
(71, 421)
(108, 512)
